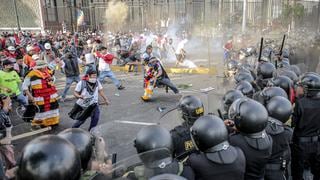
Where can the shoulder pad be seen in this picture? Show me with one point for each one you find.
(227, 156)
(180, 130)
(262, 143)
(274, 126)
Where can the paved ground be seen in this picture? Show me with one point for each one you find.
(127, 114)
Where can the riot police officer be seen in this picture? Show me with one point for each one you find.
(306, 134)
(49, 157)
(280, 110)
(286, 84)
(154, 146)
(218, 159)
(269, 92)
(191, 108)
(244, 76)
(250, 119)
(265, 72)
(296, 70)
(82, 140)
(245, 88)
(228, 98)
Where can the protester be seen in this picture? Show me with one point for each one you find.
(38, 86)
(87, 92)
(105, 60)
(10, 83)
(70, 65)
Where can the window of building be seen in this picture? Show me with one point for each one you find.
(51, 7)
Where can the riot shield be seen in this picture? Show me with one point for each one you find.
(140, 166)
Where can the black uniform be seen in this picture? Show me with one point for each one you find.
(256, 156)
(262, 83)
(306, 136)
(280, 158)
(182, 142)
(206, 169)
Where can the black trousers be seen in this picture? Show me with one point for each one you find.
(305, 154)
(274, 175)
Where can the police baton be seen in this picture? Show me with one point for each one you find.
(260, 51)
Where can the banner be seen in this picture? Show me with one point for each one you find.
(80, 17)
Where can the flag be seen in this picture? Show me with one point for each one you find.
(80, 17)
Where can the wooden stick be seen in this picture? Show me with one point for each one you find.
(24, 135)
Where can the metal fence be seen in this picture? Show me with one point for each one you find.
(28, 12)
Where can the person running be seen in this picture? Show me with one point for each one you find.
(87, 91)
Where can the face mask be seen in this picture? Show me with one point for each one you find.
(10, 69)
(92, 80)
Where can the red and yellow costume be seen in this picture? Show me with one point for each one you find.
(149, 83)
(45, 95)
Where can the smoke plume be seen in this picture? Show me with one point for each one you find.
(116, 14)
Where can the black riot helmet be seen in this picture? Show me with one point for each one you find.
(283, 82)
(265, 70)
(243, 77)
(296, 70)
(229, 97)
(245, 88)
(191, 108)
(310, 81)
(285, 53)
(269, 92)
(279, 108)
(248, 115)
(290, 74)
(83, 142)
(155, 146)
(209, 133)
(49, 157)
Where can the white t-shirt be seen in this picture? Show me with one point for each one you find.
(103, 66)
(88, 98)
(181, 46)
(89, 58)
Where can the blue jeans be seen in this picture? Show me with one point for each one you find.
(94, 119)
(167, 82)
(109, 74)
(69, 82)
(226, 56)
(88, 66)
(21, 99)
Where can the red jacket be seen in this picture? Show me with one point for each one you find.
(108, 58)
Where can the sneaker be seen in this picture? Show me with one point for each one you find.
(121, 87)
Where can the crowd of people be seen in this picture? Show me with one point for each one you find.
(267, 130)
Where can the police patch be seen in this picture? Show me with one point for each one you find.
(199, 110)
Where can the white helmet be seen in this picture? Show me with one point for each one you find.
(35, 57)
(29, 48)
(11, 48)
(47, 46)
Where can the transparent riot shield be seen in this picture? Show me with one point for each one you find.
(141, 166)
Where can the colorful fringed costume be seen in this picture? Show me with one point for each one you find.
(40, 84)
(149, 83)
